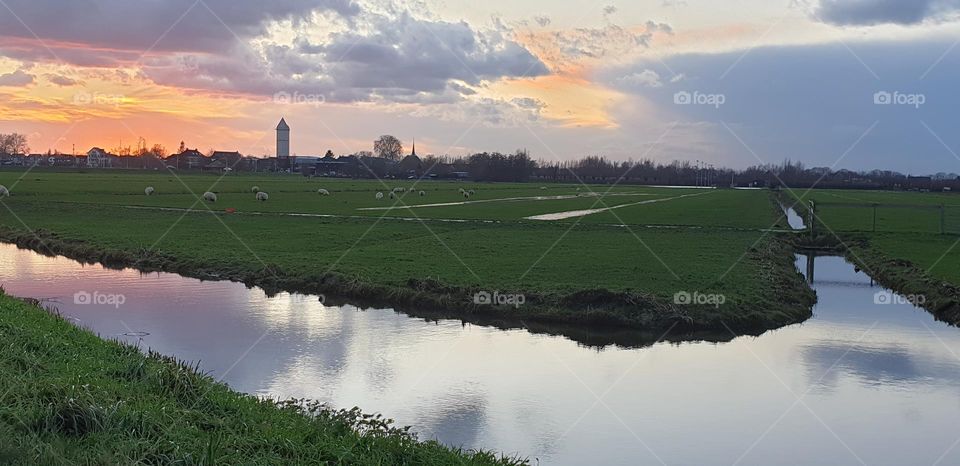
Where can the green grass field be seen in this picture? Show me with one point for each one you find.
(903, 212)
(70, 398)
(686, 240)
(499, 201)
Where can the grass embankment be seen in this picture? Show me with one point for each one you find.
(913, 264)
(68, 397)
(584, 273)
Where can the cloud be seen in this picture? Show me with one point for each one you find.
(17, 78)
(394, 58)
(568, 49)
(170, 25)
(329, 48)
(61, 80)
(645, 78)
(874, 12)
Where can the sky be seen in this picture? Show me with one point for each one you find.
(846, 84)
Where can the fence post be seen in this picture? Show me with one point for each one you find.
(812, 221)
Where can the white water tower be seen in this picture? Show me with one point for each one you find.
(283, 140)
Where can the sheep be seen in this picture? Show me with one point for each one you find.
(423, 193)
(466, 195)
(323, 192)
(4, 192)
(209, 197)
(262, 196)
(393, 195)
(379, 196)
(472, 192)
(398, 190)
(461, 190)
(148, 191)
(543, 187)
(255, 189)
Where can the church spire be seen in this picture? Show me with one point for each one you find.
(414, 151)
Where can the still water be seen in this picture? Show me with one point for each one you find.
(859, 383)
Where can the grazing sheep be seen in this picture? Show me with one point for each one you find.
(543, 187)
(148, 191)
(379, 196)
(472, 192)
(423, 193)
(398, 190)
(255, 189)
(209, 197)
(461, 190)
(393, 195)
(323, 192)
(262, 196)
(4, 192)
(466, 195)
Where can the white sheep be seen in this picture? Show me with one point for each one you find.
(423, 193)
(148, 191)
(4, 192)
(543, 187)
(466, 195)
(262, 196)
(209, 197)
(323, 192)
(398, 190)
(472, 192)
(379, 196)
(393, 195)
(461, 190)
(255, 189)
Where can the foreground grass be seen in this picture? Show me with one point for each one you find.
(68, 397)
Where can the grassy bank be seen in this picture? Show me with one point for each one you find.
(919, 265)
(69, 397)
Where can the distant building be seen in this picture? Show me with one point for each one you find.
(411, 165)
(189, 159)
(99, 158)
(919, 182)
(283, 144)
(221, 160)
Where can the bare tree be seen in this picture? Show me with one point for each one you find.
(388, 147)
(14, 143)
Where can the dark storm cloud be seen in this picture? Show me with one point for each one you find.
(872, 12)
(813, 103)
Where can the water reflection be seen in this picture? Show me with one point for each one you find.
(879, 383)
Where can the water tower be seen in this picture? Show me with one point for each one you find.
(283, 145)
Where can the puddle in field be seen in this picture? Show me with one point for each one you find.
(793, 218)
(878, 379)
(558, 197)
(585, 212)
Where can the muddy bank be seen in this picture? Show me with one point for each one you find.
(594, 317)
